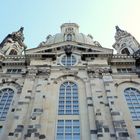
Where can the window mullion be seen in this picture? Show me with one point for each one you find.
(65, 100)
(72, 100)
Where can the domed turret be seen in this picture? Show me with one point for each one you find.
(67, 28)
(69, 32)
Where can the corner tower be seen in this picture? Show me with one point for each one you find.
(13, 43)
(125, 42)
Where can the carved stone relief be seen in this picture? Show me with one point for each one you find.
(98, 72)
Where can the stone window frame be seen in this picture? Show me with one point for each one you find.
(5, 102)
(66, 62)
(68, 99)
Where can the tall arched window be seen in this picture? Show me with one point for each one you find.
(132, 96)
(68, 60)
(68, 99)
(6, 96)
(69, 128)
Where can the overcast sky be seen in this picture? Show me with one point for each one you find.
(96, 17)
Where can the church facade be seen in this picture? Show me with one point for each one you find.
(70, 87)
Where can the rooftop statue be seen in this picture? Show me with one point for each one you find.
(96, 43)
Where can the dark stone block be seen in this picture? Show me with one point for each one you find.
(42, 137)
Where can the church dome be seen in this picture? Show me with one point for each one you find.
(69, 32)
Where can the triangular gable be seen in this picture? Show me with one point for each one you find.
(77, 47)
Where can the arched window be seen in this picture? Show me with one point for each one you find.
(132, 96)
(125, 51)
(13, 52)
(68, 129)
(68, 60)
(6, 96)
(68, 99)
(69, 37)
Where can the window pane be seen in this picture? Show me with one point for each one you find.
(68, 122)
(60, 136)
(60, 122)
(68, 129)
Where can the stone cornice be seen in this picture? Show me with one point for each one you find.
(32, 70)
(95, 72)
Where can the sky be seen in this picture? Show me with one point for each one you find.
(43, 17)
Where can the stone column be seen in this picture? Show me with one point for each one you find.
(94, 81)
(117, 119)
(91, 113)
(23, 111)
(29, 94)
(103, 116)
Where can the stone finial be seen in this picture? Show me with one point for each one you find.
(21, 29)
(117, 28)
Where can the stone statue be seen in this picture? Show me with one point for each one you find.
(48, 37)
(68, 49)
(96, 43)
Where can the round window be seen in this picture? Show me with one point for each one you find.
(68, 60)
